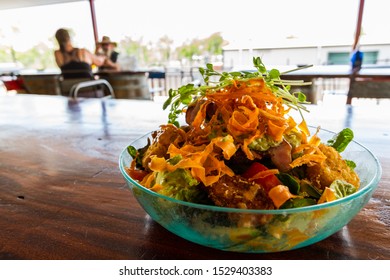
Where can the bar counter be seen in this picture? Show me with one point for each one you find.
(62, 195)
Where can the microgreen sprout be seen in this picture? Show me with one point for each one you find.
(179, 99)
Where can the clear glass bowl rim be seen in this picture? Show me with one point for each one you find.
(370, 186)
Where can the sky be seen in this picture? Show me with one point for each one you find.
(241, 23)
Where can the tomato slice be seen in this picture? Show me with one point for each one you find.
(267, 182)
(137, 174)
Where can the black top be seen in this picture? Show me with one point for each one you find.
(114, 56)
(75, 68)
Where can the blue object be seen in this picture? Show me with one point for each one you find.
(357, 59)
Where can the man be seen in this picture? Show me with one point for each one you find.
(106, 48)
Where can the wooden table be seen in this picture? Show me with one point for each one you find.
(62, 195)
(127, 84)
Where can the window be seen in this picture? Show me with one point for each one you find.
(342, 58)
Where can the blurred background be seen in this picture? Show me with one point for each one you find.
(176, 36)
(173, 33)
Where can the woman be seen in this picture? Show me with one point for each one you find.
(74, 62)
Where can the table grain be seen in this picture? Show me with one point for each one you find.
(62, 195)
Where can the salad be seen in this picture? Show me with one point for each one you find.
(240, 148)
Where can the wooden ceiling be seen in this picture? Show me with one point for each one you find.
(13, 4)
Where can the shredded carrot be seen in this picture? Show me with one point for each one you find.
(327, 196)
(202, 161)
(200, 116)
(315, 140)
(265, 173)
(279, 195)
(158, 164)
(307, 159)
(291, 124)
(226, 144)
(276, 131)
(249, 111)
(303, 127)
(242, 122)
(157, 188)
(307, 148)
(241, 113)
(148, 180)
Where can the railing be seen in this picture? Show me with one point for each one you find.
(325, 80)
(172, 79)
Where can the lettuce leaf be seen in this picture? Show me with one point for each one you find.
(341, 140)
(342, 188)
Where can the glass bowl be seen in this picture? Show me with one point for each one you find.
(258, 231)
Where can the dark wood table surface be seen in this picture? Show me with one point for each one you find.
(62, 195)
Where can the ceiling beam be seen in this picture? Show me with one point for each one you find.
(15, 4)
(358, 25)
(94, 22)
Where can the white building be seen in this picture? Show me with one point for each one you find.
(297, 53)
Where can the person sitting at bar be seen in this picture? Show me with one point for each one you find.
(75, 62)
(107, 48)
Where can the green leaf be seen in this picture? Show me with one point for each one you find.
(258, 63)
(235, 74)
(174, 160)
(182, 97)
(186, 99)
(350, 163)
(290, 182)
(137, 155)
(298, 202)
(167, 103)
(301, 97)
(341, 140)
(132, 151)
(309, 189)
(342, 188)
(274, 74)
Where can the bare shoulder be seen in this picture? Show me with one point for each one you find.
(85, 55)
(57, 53)
(84, 52)
(58, 57)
